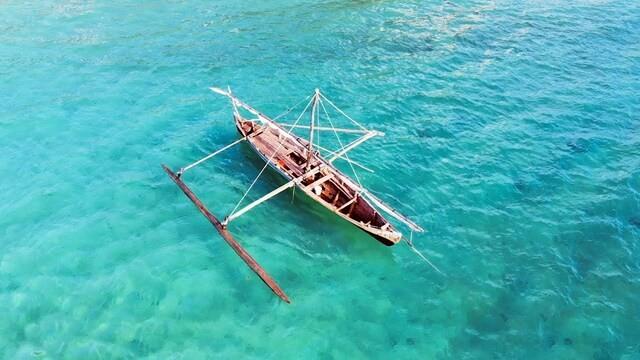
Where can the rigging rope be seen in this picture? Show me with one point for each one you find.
(343, 113)
(291, 108)
(413, 248)
(340, 142)
(184, 169)
(281, 140)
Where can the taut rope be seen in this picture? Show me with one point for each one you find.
(340, 141)
(291, 108)
(413, 248)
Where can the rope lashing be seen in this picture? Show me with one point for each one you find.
(413, 248)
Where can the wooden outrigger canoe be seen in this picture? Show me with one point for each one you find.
(300, 162)
(315, 176)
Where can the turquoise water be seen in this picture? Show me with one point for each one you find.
(512, 135)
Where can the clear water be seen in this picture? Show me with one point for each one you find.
(512, 136)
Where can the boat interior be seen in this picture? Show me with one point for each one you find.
(290, 154)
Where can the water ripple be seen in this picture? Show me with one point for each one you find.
(511, 135)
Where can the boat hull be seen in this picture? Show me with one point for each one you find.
(385, 237)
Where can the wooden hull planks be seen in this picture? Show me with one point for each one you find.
(333, 184)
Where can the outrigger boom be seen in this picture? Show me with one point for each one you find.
(268, 196)
(301, 163)
(226, 235)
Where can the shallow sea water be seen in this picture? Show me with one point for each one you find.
(512, 135)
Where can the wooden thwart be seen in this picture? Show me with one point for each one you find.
(226, 235)
(320, 181)
(347, 203)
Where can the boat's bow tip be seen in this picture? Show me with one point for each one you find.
(170, 172)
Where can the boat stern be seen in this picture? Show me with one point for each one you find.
(387, 237)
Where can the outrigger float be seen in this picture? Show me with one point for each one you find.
(301, 162)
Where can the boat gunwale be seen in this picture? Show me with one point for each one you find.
(392, 235)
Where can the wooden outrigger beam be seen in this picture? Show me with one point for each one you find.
(266, 197)
(331, 152)
(355, 143)
(226, 235)
(271, 194)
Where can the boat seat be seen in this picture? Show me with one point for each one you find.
(347, 203)
(319, 181)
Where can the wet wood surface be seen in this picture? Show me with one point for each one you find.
(226, 235)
